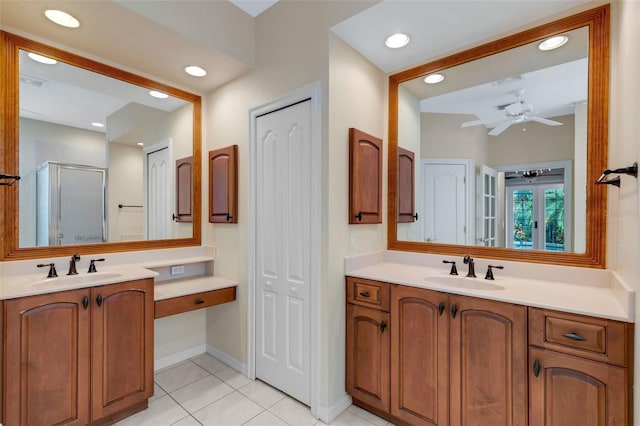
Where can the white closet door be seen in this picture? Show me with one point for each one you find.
(445, 203)
(158, 194)
(283, 249)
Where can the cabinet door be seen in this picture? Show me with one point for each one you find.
(184, 189)
(47, 360)
(488, 363)
(223, 185)
(419, 356)
(365, 178)
(122, 338)
(368, 356)
(406, 186)
(565, 390)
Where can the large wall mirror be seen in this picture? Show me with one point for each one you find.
(494, 151)
(106, 158)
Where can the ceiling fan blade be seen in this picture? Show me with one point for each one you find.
(545, 121)
(500, 128)
(473, 123)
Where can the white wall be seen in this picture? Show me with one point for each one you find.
(409, 122)
(125, 187)
(294, 49)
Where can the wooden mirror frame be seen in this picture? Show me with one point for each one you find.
(10, 143)
(597, 126)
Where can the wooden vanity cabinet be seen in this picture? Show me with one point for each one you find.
(69, 359)
(368, 341)
(455, 360)
(579, 370)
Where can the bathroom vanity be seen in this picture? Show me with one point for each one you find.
(428, 348)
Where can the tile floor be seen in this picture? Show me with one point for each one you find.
(204, 391)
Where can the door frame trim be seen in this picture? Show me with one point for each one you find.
(313, 92)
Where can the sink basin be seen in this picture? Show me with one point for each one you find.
(80, 279)
(463, 282)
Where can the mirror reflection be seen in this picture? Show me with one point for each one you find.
(493, 152)
(98, 158)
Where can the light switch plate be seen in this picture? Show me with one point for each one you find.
(177, 270)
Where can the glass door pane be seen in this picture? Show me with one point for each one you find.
(554, 219)
(523, 220)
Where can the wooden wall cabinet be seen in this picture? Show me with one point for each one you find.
(78, 357)
(223, 185)
(184, 190)
(406, 187)
(579, 370)
(365, 178)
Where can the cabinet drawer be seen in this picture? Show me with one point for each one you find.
(177, 305)
(372, 294)
(589, 337)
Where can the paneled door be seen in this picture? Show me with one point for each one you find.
(158, 187)
(283, 172)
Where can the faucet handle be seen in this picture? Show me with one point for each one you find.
(92, 264)
(489, 274)
(72, 264)
(454, 270)
(52, 269)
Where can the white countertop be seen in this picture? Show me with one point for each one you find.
(169, 289)
(34, 284)
(599, 293)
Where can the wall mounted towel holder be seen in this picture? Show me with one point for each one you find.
(631, 171)
(11, 179)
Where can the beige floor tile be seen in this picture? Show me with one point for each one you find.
(232, 410)
(201, 393)
(293, 412)
(187, 421)
(265, 419)
(209, 363)
(164, 411)
(370, 417)
(261, 393)
(157, 392)
(347, 418)
(179, 376)
(232, 377)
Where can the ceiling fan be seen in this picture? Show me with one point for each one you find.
(514, 113)
(531, 175)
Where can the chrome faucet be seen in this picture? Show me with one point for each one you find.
(72, 264)
(472, 269)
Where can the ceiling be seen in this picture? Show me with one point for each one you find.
(219, 35)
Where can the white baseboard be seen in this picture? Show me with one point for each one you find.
(329, 414)
(184, 355)
(227, 359)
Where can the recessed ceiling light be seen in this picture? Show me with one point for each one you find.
(158, 95)
(397, 40)
(96, 124)
(140, 144)
(42, 59)
(62, 18)
(434, 78)
(195, 71)
(553, 42)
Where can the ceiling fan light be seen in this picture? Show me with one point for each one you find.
(61, 18)
(434, 78)
(553, 42)
(397, 40)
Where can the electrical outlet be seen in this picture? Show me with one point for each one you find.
(177, 270)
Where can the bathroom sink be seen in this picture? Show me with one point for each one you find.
(80, 279)
(463, 282)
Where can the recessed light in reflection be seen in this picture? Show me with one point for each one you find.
(434, 78)
(140, 144)
(62, 18)
(42, 59)
(553, 42)
(158, 95)
(97, 124)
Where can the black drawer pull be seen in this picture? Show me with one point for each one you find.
(364, 294)
(99, 300)
(85, 302)
(383, 325)
(359, 216)
(574, 336)
(536, 368)
(454, 310)
(199, 302)
(440, 308)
